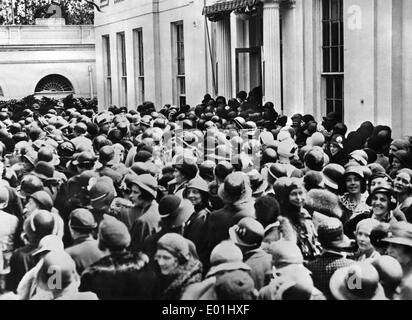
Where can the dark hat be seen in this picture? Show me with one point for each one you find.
(44, 170)
(257, 183)
(175, 211)
(400, 233)
(331, 116)
(248, 232)
(142, 156)
(330, 235)
(82, 219)
(357, 282)
(277, 171)
(187, 166)
(39, 224)
(66, 149)
(102, 188)
(80, 127)
(47, 154)
(333, 175)
(235, 285)
(206, 169)
(308, 117)
(311, 128)
(223, 169)
(106, 155)
(139, 168)
(176, 245)
(113, 234)
(390, 271)
(388, 192)
(404, 157)
(337, 140)
(235, 187)
(44, 199)
(31, 157)
(85, 157)
(29, 185)
(313, 180)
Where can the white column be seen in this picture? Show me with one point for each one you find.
(271, 52)
(223, 59)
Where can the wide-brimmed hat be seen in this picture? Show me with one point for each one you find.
(357, 282)
(226, 256)
(400, 233)
(196, 183)
(175, 211)
(43, 198)
(85, 157)
(49, 243)
(331, 116)
(47, 154)
(330, 235)
(235, 187)
(145, 182)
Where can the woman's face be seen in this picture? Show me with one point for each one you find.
(166, 261)
(363, 240)
(297, 197)
(353, 184)
(380, 204)
(402, 183)
(178, 175)
(333, 149)
(194, 196)
(396, 164)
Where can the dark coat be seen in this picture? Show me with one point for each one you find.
(144, 226)
(261, 264)
(221, 220)
(195, 230)
(21, 261)
(324, 267)
(122, 276)
(85, 252)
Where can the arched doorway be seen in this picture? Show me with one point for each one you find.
(54, 84)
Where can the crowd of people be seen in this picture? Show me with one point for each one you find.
(227, 200)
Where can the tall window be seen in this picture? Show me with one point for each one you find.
(107, 71)
(121, 54)
(138, 65)
(179, 63)
(333, 57)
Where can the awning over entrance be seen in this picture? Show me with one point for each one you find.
(222, 8)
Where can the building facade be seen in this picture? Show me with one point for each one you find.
(150, 50)
(306, 56)
(48, 59)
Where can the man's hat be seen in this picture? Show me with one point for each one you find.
(400, 233)
(357, 282)
(44, 170)
(145, 182)
(330, 235)
(82, 219)
(29, 185)
(175, 211)
(102, 188)
(187, 166)
(235, 187)
(44, 199)
(106, 155)
(85, 157)
(331, 116)
(333, 175)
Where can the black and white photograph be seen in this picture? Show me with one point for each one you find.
(196, 152)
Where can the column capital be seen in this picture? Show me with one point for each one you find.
(288, 3)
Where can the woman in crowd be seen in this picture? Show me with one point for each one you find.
(353, 200)
(177, 265)
(197, 192)
(291, 195)
(365, 251)
(403, 191)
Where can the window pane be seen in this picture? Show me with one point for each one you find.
(339, 109)
(326, 60)
(335, 33)
(329, 106)
(335, 10)
(342, 57)
(325, 11)
(335, 59)
(326, 34)
(329, 88)
(182, 85)
(338, 88)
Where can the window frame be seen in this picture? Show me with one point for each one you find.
(107, 70)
